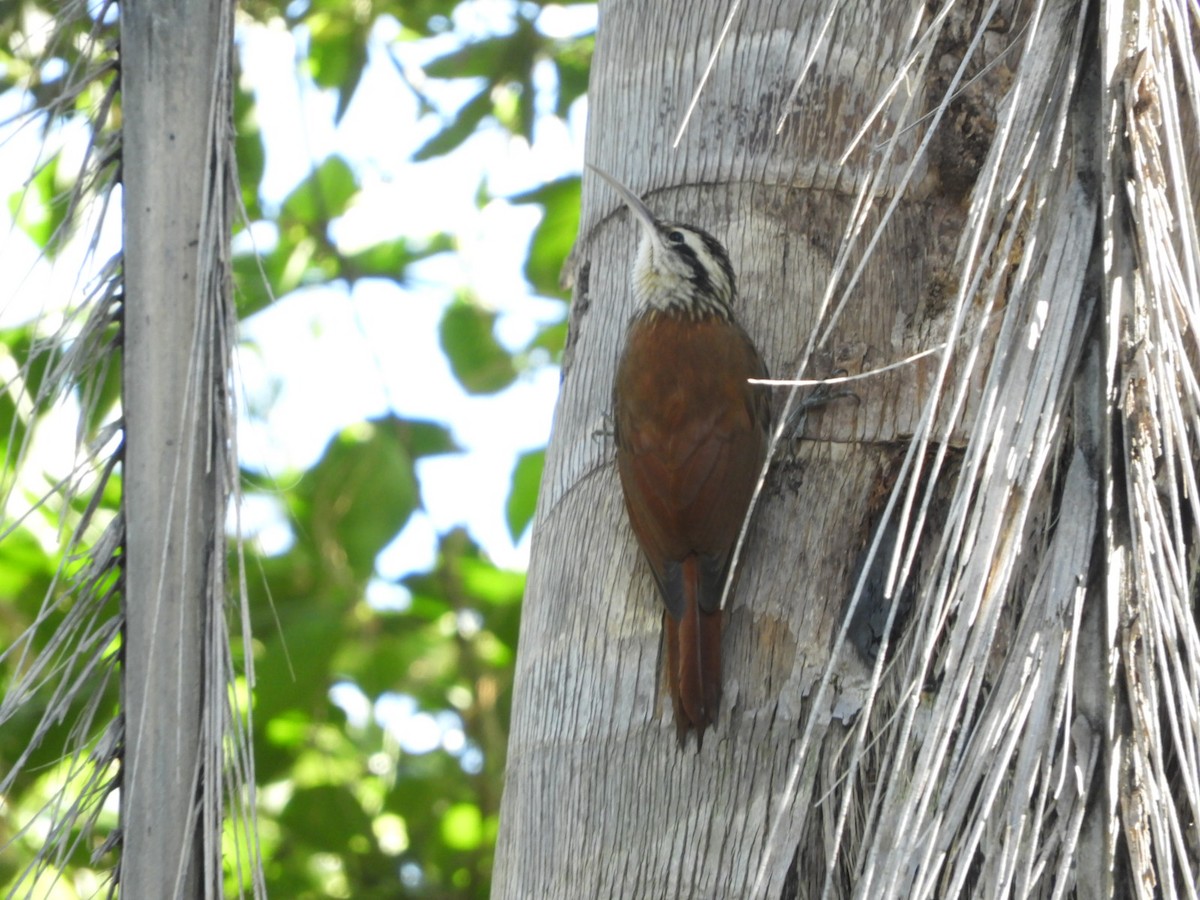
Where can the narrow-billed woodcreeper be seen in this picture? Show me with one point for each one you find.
(691, 436)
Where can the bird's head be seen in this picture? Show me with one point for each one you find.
(679, 268)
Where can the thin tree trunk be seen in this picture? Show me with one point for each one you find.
(174, 57)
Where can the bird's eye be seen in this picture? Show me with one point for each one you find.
(675, 237)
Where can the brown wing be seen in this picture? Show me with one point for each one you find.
(691, 436)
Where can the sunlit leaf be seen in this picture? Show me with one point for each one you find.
(483, 581)
(391, 259)
(465, 123)
(363, 491)
(526, 110)
(508, 107)
(297, 260)
(422, 438)
(40, 207)
(551, 338)
(555, 234)
(523, 492)
(250, 151)
(462, 826)
(337, 52)
(479, 362)
(22, 562)
(251, 277)
(425, 17)
(324, 194)
(486, 58)
(573, 62)
(289, 730)
(34, 357)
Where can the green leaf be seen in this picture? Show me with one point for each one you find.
(464, 124)
(25, 396)
(422, 438)
(250, 154)
(428, 600)
(375, 662)
(293, 670)
(363, 491)
(555, 234)
(481, 59)
(552, 338)
(298, 259)
(573, 62)
(522, 496)
(391, 259)
(40, 207)
(324, 195)
(100, 387)
(316, 814)
(23, 562)
(483, 581)
(474, 577)
(526, 110)
(508, 108)
(425, 17)
(337, 52)
(252, 274)
(34, 356)
(479, 362)
(462, 826)
(12, 429)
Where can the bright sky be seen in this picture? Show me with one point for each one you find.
(322, 359)
(378, 348)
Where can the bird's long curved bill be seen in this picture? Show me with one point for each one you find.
(632, 200)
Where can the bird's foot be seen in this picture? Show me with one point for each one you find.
(821, 395)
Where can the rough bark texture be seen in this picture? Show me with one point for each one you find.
(989, 757)
(171, 73)
(632, 815)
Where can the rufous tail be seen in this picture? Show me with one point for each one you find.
(693, 659)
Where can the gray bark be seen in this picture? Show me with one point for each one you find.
(174, 57)
(599, 801)
(1028, 729)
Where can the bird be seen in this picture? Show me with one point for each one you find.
(691, 437)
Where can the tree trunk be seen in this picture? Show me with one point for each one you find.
(175, 79)
(598, 793)
(885, 732)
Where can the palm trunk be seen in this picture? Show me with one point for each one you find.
(175, 77)
(924, 635)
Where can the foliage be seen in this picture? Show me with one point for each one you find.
(352, 802)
